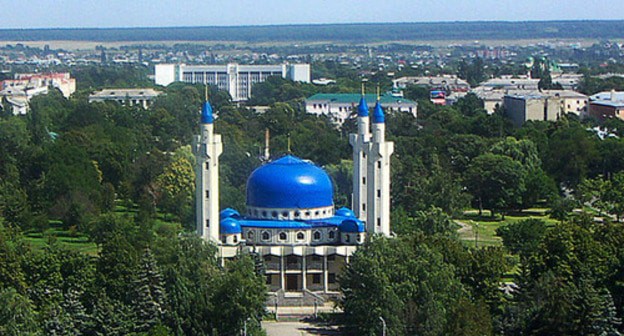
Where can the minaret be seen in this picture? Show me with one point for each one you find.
(360, 144)
(208, 150)
(378, 193)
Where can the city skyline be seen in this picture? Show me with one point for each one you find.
(170, 13)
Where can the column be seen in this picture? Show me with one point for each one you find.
(304, 272)
(282, 270)
(325, 273)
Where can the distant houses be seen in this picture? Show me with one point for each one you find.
(17, 92)
(339, 106)
(143, 97)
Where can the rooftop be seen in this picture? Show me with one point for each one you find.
(354, 98)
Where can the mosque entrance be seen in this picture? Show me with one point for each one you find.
(292, 282)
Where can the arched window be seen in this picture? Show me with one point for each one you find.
(317, 235)
(332, 235)
(250, 235)
(300, 236)
(266, 235)
(282, 236)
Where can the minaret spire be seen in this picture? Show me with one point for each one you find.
(378, 170)
(360, 143)
(208, 148)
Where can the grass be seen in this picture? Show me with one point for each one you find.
(64, 238)
(485, 225)
(77, 241)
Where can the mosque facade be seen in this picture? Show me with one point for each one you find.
(290, 218)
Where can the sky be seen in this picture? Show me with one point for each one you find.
(168, 13)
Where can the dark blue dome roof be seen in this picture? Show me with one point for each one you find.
(345, 212)
(363, 107)
(229, 226)
(378, 114)
(351, 225)
(206, 114)
(289, 183)
(229, 212)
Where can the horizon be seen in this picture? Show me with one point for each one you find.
(312, 24)
(91, 14)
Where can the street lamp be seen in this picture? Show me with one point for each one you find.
(383, 326)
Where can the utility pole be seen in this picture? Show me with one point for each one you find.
(383, 326)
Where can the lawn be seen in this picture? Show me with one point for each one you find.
(484, 226)
(77, 241)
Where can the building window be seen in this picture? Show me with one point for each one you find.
(266, 235)
(331, 257)
(363, 206)
(274, 214)
(282, 236)
(332, 235)
(378, 192)
(379, 164)
(331, 278)
(207, 165)
(364, 155)
(363, 180)
(316, 258)
(207, 223)
(378, 221)
(297, 214)
(358, 238)
(285, 214)
(207, 193)
(235, 239)
(317, 235)
(300, 236)
(250, 235)
(316, 279)
(269, 279)
(347, 238)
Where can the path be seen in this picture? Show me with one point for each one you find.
(298, 329)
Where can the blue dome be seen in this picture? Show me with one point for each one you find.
(351, 225)
(378, 114)
(363, 108)
(345, 212)
(206, 114)
(229, 212)
(289, 183)
(229, 226)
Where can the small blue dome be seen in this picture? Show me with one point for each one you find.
(378, 114)
(206, 114)
(363, 108)
(345, 212)
(351, 225)
(289, 183)
(229, 212)
(229, 226)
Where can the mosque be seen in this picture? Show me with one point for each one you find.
(290, 219)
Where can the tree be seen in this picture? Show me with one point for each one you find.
(149, 294)
(177, 184)
(496, 182)
(17, 314)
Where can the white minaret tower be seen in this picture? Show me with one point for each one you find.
(360, 144)
(378, 193)
(208, 149)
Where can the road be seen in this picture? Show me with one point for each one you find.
(298, 329)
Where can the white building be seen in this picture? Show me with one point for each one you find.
(234, 78)
(290, 219)
(339, 106)
(143, 97)
(23, 87)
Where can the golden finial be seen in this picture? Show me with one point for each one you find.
(206, 91)
(363, 88)
(378, 94)
(289, 143)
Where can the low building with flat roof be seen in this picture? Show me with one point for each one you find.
(143, 97)
(521, 108)
(607, 105)
(339, 106)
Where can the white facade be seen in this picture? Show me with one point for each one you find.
(234, 78)
(208, 150)
(378, 194)
(361, 144)
(134, 97)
